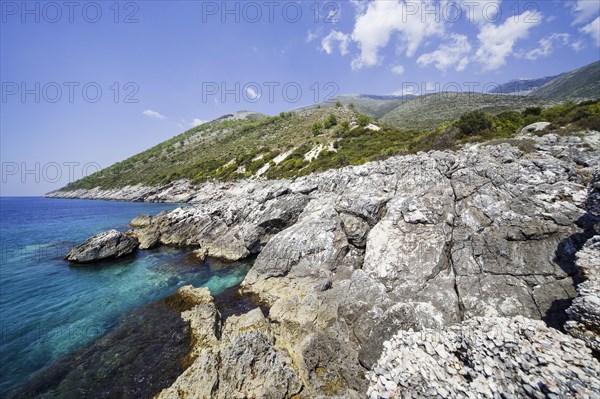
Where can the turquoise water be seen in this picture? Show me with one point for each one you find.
(49, 308)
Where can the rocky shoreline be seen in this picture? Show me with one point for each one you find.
(351, 262)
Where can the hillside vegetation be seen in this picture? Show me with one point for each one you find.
(294, 144)
(582, 83)
(429, 111)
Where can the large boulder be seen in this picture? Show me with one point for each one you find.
(111, 244)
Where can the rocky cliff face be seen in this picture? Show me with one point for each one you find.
(349, 257)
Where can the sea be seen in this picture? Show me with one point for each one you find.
(51, 310)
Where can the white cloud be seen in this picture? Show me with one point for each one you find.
(154, 114)
(497, 41)
(453, 53)
(398, 69)
(546, 46)
(482, 11)
(593, 29)
(359, 5)
(197, 122)
(328, 43)
(584, 10)
(578, 45)
(310, 36)
(374, 28)
(252, 94)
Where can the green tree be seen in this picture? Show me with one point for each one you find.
(330, 122)
(474, 122)
(338, 104)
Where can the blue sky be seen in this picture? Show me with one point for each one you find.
(87, 85)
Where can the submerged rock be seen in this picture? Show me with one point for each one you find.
(111, 244)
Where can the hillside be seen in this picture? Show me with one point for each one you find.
(292, 144)
(372, 105)
(521, 86)
(429, 111)
(582, 83)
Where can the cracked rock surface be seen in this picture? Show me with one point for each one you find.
(486, 358)
(347, 258)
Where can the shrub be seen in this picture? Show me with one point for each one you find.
(316, 128)
(330, 122)
(363, 120)
(474, 122)
(338, 104)
(535, 111)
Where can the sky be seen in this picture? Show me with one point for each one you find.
(87, 84)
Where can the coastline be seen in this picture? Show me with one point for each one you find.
(494, 230)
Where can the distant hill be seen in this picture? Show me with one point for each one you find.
(582, 83)
(522, 86)
(247, 144)
(372, 105)
(429, 111)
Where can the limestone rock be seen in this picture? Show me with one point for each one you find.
(584, 312)
(111, 244)
(535, 127)
(485, 357)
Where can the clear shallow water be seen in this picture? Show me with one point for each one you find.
(48, 308)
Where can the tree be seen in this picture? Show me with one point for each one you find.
(330, 121)
(338, 104)
(474, 122)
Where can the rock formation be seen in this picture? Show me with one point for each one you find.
(111, 244)
(485, 358)
(347, 258)
(237, 359)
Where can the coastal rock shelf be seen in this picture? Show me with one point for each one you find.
(347, 258)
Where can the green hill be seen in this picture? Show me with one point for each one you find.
(429, 111)
(582, 83)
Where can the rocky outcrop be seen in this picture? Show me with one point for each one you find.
(485, 358)
(584, 313)
(535, 127)
(226, 227)
(347, 258)
(237, 359)
(111, 244)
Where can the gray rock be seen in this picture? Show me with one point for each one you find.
(111, 244)
(584, 313)
(535, 127)
(485, 368)
(348, 257)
